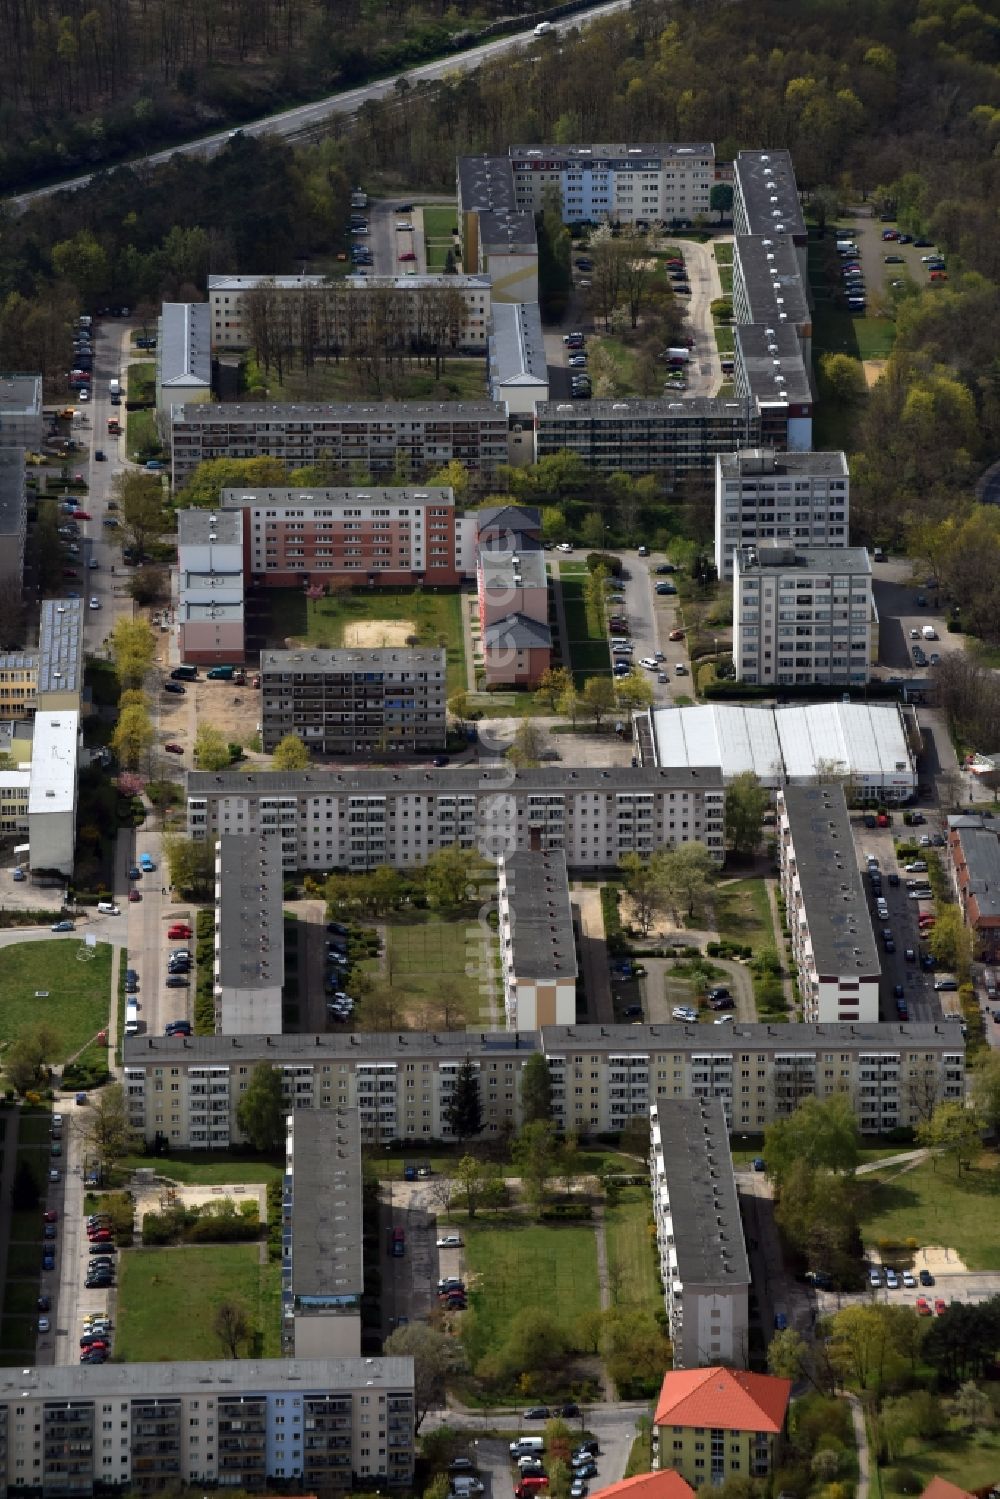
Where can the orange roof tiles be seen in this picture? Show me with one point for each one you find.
(728, 1399)
(663, 1485)
(942, 1488)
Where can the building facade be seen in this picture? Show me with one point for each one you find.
(13, 515)
(22, 418)
(713, 1424)
(537, 944)
(183, 358)
(53, 793)
(326, 1423)
(974, 859)
(15, 791)
(765, 497)
(396, 437)
(833, 944)
(211, 625)
(322, 1262)
(802, 615)
(18, 684)
(631, 184)
(356, 702)
(667, 438)
(249, 935)
(358, 819)
(699, 1233)
(603, 1077)
(512, 587)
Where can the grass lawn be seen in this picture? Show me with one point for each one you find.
(631, 1267)
(79, 993)
(742, 913)
(155, 1284)
(514, 1264)
(934, 1207)
(443, 1163)
(436, 619)
(970, 1461)
(460, 380)
(588, 647)
(142, 439)
(836, 331)
(724, 260)
(219, 1170)
(439, 220)
(724, 338)
(142, 381)
(423, 949)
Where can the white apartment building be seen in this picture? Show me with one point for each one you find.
(537, 947)
(322, 1424)
(763, 496)
(358, 819)
(668, 182)
(699, 1233)
(53, 791)
(802, 615)
(826, 909)
(249, 935)
(603, 1076)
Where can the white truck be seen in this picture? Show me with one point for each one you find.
(543, 28)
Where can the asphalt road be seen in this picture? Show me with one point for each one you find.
(303, 117)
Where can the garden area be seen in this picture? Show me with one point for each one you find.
(587, 641)
(459, 380)
(168, 1299)
(631, 1241)
(932, 1205)
(439, 219)
(61, 984)
(426, 952)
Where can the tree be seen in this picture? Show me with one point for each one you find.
(634, 691)
(599, 697)
(477, 1182)
(290, 754)
(24, 1061)
(148, 585)
(231, 1326)
(746, 803)
(132, 736)
(972, 1406)
(133, 649)
(720, 199)
(463, 1111)
(568, 704)
(451, 876)
(643, 880)
(535, 1154)
(821, 1132)
(191, 863)
(843, 380)
(109, 1134)
(435, 1356)
(459, 706)
(260, 1112)
(986, 1090)
(551, 684)
(950, 941)
(687, 871)
(526, 750)
(536, 1089)
(140, 507)
(953, 1131)
(211, 748)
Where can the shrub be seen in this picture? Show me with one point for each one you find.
(906, 1481)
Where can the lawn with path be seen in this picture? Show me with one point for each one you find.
(628, 1230)
(742, 913)
(167, 1299)
(219, 1170)
(513, 1265)
(426, 948)
(587, 642)
(439, 220)
(933, 1206)
(435, 617)
(76, 981)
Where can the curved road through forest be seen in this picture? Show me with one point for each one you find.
(291, 122)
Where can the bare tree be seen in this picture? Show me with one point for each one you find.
(231, 1326)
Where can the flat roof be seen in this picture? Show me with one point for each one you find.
(981, 851)
(204, 609)
(769, 268)
(792, 558)
(486, 182)
(199, 527)
(20, 395)
(370, 494)
(250, 283)
(540, 914)
(508, 233)
(691, 1149)
(733, 736)
(625, 154)
(836, 907)
(426, 281)
(60, 646)
(453, 1047)
(222, 1377)
(353, 658)
(249, 924)
(281, 414)
(753, 463)
(868, 739)
(769, 364)
(327, 1261)
(458, 779)
(523, 560)
(643, 410)
(516, 345)
(184, 345)
(54, 752)
(13, 492)
(767, 186)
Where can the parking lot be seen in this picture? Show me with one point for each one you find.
(867, 234)
(905, 606)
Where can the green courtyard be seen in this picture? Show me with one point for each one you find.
(932, 1205)
(60, 983)
(424, 950)
(167, 1300)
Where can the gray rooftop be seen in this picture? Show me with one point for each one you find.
(628, 154)
(198, 609)
(394, 659)
(769, 270)
(20, 395)
(486, 183)
(199, 527)
(280, 283)
(798, 559)
(249, 931)
(327, 1261)
(517, 348)
(295, 1049)
(749, 463)
(643, 410)
(769, 364)
(541, 917)
(428, 494)
(504, 519)
(524, 560)
(223, 1377)
(981, 850)
(13, 493)
(184, 346)
(766, 183)
(18, 660)
(60, 646)
(840, 926)
(704, 1204)
(409, 781)
(508, 233)
(281, 414)
(517, 630)
(445, 281)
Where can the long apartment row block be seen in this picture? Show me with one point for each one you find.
(188, 1090)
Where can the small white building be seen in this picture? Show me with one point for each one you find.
(249, 935)
(537, 949)
(793, 499)
(833, 943)
(802, 615)
(52, 798)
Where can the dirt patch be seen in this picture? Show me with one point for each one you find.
(370, 633)
(874, 370)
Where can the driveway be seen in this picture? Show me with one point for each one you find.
(704, 369)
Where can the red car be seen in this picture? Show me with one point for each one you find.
(50, 1216)
(134, 895)
(174, 749)
(940, 1307)
(80, 514)
(676, 635)
(70, 572)
(890, 233)
(408, 255)
(179, 929)
(923, 1307)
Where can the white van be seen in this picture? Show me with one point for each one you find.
(929, 632)
(525, 1445)
(108, 908)
(543, 28)
(131, 1017)
(464, 1485)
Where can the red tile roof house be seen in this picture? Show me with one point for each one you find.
(942, 1488)
(717, 1423)
(974, 847)
(663, 1485)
